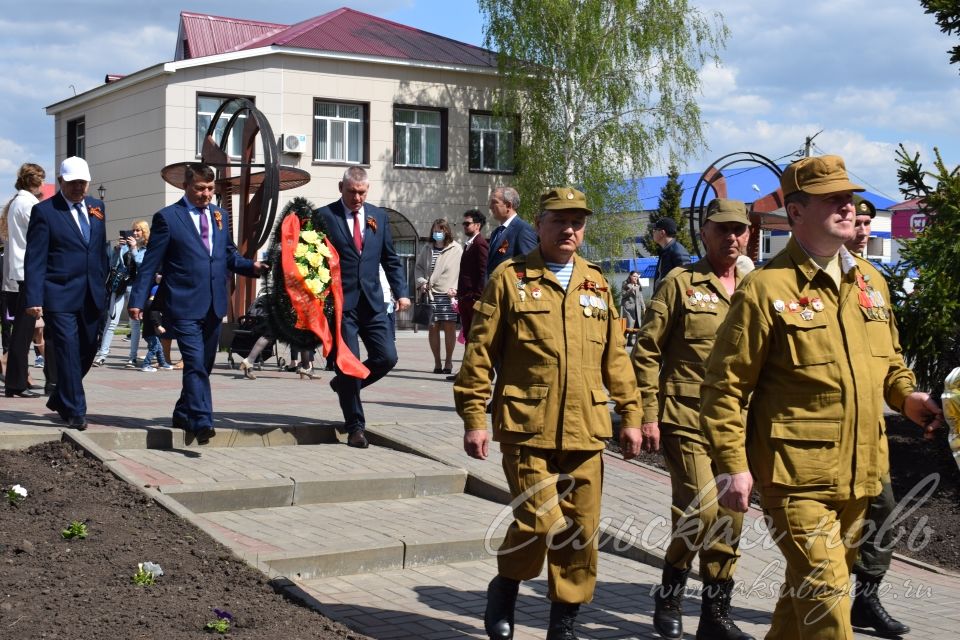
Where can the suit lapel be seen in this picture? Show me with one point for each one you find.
(183, 213)
(341, 214)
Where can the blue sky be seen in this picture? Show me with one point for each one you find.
(868, 73)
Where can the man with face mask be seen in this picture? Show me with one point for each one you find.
(672, 345)
(65, 270)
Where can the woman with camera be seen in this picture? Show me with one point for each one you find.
(127, 256)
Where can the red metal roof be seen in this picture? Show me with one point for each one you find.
(341, 31)
(205, 35)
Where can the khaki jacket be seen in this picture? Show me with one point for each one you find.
(673, 343)
(819, 378)
(557, 364)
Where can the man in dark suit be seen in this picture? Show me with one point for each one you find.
(514, 237)
(672, 253)
(190, 244)
(65, 271)
(473, 269)
(360, 232)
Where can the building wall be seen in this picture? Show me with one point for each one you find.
(135, 131)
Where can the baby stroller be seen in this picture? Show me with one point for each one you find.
(250, 328)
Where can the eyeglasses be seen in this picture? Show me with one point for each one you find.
(467, 223)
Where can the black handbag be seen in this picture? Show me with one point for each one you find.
(423, 312)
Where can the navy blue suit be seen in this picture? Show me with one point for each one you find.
(518, 239)
(195, 290)
(66, 275)
(364, 311)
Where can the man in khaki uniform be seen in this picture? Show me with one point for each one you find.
(810, 348)
(548, 321)
(672, 345)
(876, 547)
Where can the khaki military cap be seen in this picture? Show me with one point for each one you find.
(864, 207)
(817, 176)
(723, 210)
(564, 198)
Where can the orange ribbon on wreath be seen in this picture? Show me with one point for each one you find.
(309, 308)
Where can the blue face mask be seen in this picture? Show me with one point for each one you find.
(438, 236)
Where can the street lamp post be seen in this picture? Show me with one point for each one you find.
(102, 192)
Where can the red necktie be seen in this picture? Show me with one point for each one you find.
(357, 234)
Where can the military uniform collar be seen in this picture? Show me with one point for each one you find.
(535, 267)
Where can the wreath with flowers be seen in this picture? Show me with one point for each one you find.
(305, 293)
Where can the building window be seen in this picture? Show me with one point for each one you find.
(77, 138)
(492, 142)
(339, 132)
(419, 138)
(206, 107)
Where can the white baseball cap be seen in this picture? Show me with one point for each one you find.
(74, 168)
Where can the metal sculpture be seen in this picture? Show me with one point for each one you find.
(713, 184)
(258, 192)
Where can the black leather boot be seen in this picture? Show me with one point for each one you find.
(668, 603)
(715, 622)
(867, 611)
(563, 617)
(501, 601)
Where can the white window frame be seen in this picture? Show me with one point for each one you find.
(503, 128)
(234, 149)
(414, 133)
(351, 135)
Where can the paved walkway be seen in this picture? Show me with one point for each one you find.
(249, 472)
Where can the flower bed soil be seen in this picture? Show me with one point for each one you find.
(932, 522)
(56, 588)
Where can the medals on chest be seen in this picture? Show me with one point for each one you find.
(593, 307)
(871, 300)
(806, 307)
(522, 286)
(702, 299)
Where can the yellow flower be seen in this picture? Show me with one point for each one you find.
(323, 274)
(323, 250)
(315, 286)
(303, 269)
(310, 237)
(301, 250)
(314, 259)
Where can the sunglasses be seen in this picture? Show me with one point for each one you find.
(467, 223)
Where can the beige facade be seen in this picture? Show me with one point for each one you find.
(136, 125)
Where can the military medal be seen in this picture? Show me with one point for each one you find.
(793, 306)
(817, 304)
(779, 306)
(588, 311)
(698, 296)
(807, 315)
(535, 292)
(714, 299)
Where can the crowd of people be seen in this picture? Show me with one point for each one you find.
(771, 379)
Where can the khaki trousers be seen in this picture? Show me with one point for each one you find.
(819, 540)
(700, 525)
(556, 510)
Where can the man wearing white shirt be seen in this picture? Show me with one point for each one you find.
(17, 216)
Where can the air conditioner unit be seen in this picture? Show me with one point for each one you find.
(293, 142)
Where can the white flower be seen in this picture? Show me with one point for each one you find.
(152, 568)
(19, 490)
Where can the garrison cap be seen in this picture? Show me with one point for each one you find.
(864, 207)
(724, 210)
(563, 199)
(817, 176)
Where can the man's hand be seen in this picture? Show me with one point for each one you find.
(922, 409)
(402, 304)
(735, 490)
(36, 312)
(477, 443)
(651, 436)
(631, 439)
(260, 268)
(135, 314)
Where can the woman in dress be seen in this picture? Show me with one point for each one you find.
(631, 306)
(437, 270)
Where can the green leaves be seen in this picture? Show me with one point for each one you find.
(603, 90)
(76, 529)
(929, 317)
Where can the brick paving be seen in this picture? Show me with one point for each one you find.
(412, 411)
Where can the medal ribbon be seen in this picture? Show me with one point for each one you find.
(865, 300)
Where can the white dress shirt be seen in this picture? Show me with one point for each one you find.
(18, 218)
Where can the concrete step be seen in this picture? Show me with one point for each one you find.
(224, 479)
(309, 541)
(160, 436)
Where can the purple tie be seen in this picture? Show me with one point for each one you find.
(205, 229)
